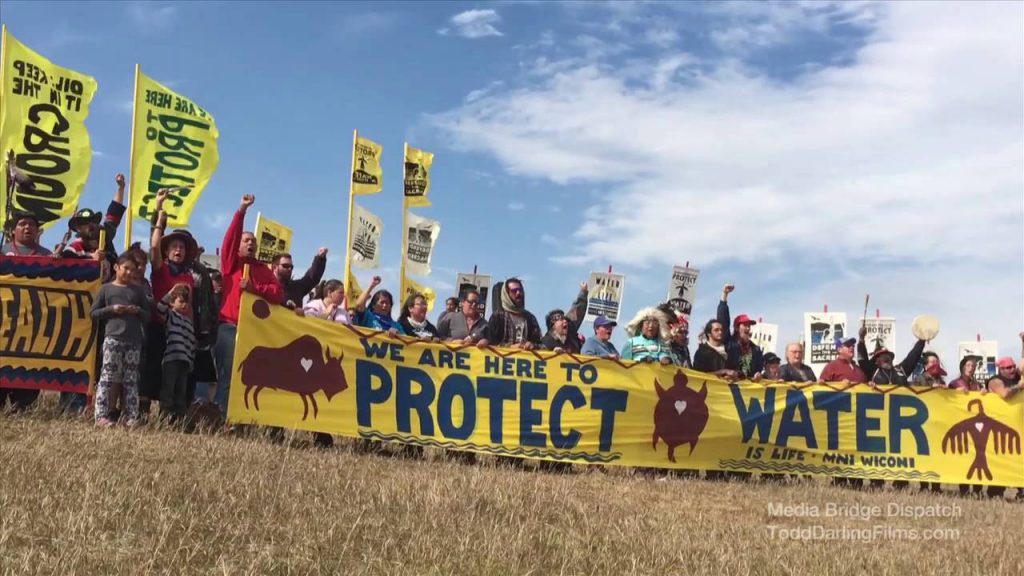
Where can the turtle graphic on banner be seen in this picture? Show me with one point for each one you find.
(421, 234)
(821, 330)
(604, 296)
(479, 282)
(366, 233)
(682, 289)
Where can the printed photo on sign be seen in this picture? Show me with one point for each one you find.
(604, 296)
(682, 289)
(988, 350)
(367, 176)
(820, 333)
(417, 176)
(479, 282)
(421, 235)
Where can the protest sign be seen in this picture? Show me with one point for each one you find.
(604, 295)
(821, 329)
(47, 336)
(174, 145)
(366, 235)
(766, 336)
(989, 352)
(682, 288)
(272, 238)
(311, 375)
(411, 287)
(465, 281)
(43, 108)
(881, 334)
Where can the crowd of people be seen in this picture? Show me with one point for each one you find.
(170, 338)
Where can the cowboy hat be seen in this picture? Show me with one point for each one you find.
(191, 246)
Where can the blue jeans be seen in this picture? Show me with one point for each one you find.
(224, 352)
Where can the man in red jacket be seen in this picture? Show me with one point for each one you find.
(238, 249)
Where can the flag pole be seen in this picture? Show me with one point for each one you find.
(351, 208)
(405, 231)
(8, 187)
(131, 164)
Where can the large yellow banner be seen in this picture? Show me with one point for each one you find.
(174, 145)
(314, 375)
(47, 339)
(43, 108)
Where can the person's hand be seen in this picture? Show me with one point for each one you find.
(300, 312)
(243, 283)
(247, 200)
(392, 332)
(872, 385)
(119, 179)
(374, 282)
(728, 288)
(322, 252)
(584, 287)
(862, 332)
(435, 339)
(132, 309)
(330, 309)
(483, 343)
(757, 377)
(98, 255)
(161, 195)
(119, 309)
(528, 346)
(558, 350)
(612, 356)
(665, 361)
(1022, 336)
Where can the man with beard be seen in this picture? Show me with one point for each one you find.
(467, 326)
(296, 290)
(86, 225)
(742, 355)
(23, 229)
(512, 325)
(237, 251)
(879, 369)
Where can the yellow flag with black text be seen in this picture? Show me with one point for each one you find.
(417, 177)
(367, 174)
(352, 290)
(43, 108)
(410, 287)
(272, 238)
(174, 145)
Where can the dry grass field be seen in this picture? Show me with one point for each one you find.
(78, 500)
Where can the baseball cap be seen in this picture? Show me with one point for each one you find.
(1005, 362)
(603, 320)
(840, 342)
(771, 357)
(743, 319)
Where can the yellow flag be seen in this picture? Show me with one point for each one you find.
(174, 145)
(410, 287)
(417, 176)
(43, 108)
(367, 174)
(352, 290)
(272, 238)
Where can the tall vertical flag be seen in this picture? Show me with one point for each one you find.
(272, 238)
(366, 177)
(416, 180)
(43, 108)
(419, 234)
(174, 145)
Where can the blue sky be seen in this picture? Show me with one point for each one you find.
(808, 152)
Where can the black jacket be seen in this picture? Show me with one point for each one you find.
(732, 346)
(296, 290)
(707, 359)
(895, 375)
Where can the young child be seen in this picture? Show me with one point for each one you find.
(179, 354)
(122, 304)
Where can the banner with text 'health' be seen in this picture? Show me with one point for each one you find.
(174, 145)
(315, 375)
(43, 108)
(47, 339)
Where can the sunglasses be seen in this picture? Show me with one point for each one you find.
(515, 290)
(287, 266)
(468, 301)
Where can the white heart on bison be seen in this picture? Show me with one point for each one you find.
(306, 364)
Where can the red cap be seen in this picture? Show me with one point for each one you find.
(743, 319)
(1005, 362)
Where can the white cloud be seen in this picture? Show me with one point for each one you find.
(152, 16)
(365, 24)
(217, 221)
(516, 206)
(473, 24)
(906, 159)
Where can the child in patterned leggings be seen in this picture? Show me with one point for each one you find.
(124, 307)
